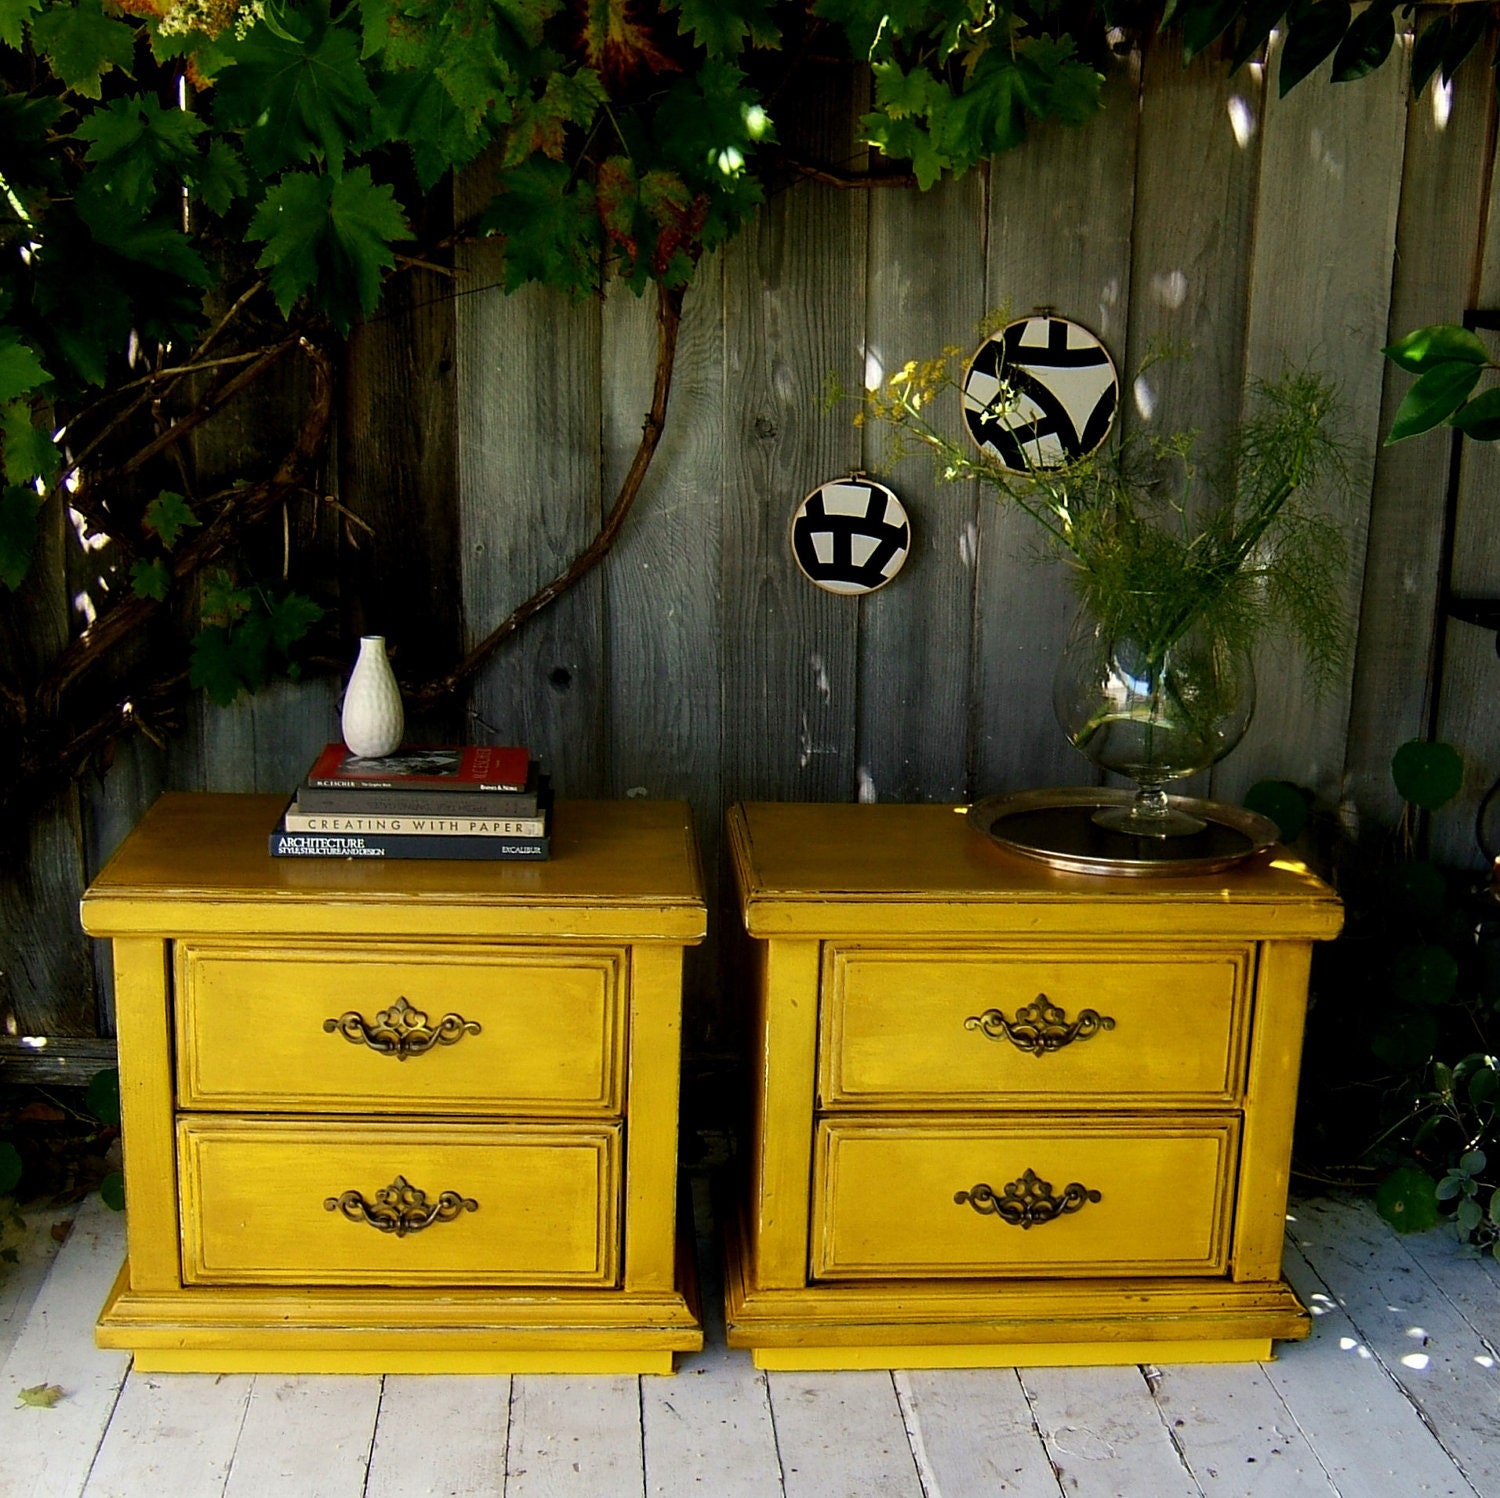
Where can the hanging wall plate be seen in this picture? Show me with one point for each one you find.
(851, 535)
(1040, 393)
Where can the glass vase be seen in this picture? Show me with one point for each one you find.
(1153, 715)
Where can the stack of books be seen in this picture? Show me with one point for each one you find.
(475, 802)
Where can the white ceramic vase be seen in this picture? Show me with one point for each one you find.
(373, 721)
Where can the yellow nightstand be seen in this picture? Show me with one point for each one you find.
(399, 1116)
(1008, 1115)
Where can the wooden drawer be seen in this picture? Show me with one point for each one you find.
(921, 1028)
(461, 1029)
(895, 1200)
(267, 1201)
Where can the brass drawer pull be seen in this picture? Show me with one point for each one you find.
(401, 1208)
(401, 1031)
(1027, 1201)
(1040, 1027)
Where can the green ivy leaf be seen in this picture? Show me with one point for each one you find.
(1405, 1039)
(82, 44)
(151, 579)
(20, 369)
(18, 533)
(10, 1167)
(30, 452)
(1468, 26)
(13, 16)
(1479, 418)
(1426, 348)
(1407, 1199)
(112, 1191)
(1283, 802)
(1311, 36)
(1427, 53)
(1204, 24)
(1426, 974)
(296, 100)
(169, 515)
(1415, 889)
(102, 1096)
(1367, 43)
(1427, 775)
(334, 233)
(1255, 27)
(1433, 399)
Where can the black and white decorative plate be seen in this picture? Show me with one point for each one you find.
(1040, 393)
(851, 535)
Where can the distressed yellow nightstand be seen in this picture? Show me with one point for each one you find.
(401, 1116)
(1008, 1115)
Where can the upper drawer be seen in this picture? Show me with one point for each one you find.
(994, 1027)
(398, 1029)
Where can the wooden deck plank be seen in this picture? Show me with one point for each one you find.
(971, 1431)
(1412, 1329)
(1369, 1436)
(21, 1282)
(1104, 1433)
(842, 1435)
(305, 1437)
(440, 1435)
(1235, 1433)
(171, 1434)
(1470, 1282)
(575, 1437)
(48, 1453)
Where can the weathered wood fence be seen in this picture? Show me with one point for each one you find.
(481, 435)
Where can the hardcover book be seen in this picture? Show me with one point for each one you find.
(425, 824)
(358, 845)
(474, 767)
(368, 801)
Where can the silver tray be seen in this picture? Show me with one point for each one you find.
(1056, 826)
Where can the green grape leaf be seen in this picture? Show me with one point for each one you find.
(169, 515)
(296, 100)
(551, 232)
(150, 579)
(156, 240)
(82, 44)
(290, 618)
(541, 123)
(18, 533)
(10, 1167)
(1433, 399)
(905, 140)
(112, 1191)
(417, 111)
(1407, 1199)
(39, 1396)
(212, 667)
(1427, 775)
(1367, 43)
(906, 95)
(1479, 418)
(1283, 802)
(1442, 343)
(137, 140)
(20, 369)
(102, 1096)
(329, 233)
(13, 16)
(30, 452)
(1311, 36)
(218, 177)
(1425, 974)
(721, 27)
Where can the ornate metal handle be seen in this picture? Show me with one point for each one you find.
(1040, 1027)
(401, 1208)
(1026, 1202)
(401, 1031)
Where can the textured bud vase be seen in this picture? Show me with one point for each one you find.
(373, 721)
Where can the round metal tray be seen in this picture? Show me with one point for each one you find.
(1057, 827)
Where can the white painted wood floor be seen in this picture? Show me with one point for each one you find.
(1397, 1393)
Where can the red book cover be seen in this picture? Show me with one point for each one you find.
(475, 767)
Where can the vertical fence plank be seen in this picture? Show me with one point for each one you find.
(1320, 287)
(1059, 236)
(794, 315)
(926, 290)
(529, 503)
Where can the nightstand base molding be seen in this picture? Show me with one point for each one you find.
(259, 1331)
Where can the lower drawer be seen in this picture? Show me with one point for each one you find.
(1103, 1196)
(301, 1202)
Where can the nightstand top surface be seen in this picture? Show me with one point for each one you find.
(865, 870)
(198, 862)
